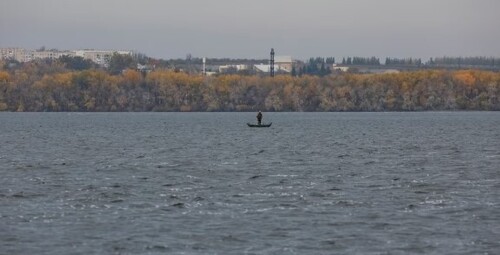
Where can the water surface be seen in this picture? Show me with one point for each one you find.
(205, 183)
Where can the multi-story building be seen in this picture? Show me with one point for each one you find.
(18, 54)
(49, 54)
(100, 57)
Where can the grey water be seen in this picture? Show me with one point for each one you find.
(205, 183)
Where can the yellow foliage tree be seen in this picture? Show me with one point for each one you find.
(465, 77)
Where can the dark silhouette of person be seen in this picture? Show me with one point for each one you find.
(259, 118)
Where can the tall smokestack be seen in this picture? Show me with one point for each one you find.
(204, 72)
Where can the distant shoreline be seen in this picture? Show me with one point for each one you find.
(54, 89)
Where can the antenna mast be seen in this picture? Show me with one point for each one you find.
(271, 63)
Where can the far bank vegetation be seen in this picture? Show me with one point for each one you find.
(41, 87)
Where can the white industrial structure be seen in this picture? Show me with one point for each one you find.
(225, 68)
(281, 64)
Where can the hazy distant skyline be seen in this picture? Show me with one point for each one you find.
(248, 29)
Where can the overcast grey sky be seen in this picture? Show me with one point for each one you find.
(249, 28)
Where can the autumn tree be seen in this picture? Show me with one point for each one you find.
(76, 63)
(119, 62)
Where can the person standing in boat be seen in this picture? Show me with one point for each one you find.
(259, 118)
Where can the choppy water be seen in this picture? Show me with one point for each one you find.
(205, 183)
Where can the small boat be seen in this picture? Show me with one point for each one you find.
(261, 125)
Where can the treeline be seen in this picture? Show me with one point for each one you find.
(373, 61)
(40, 87)
(465, 62)
(314, 66)
(439, 62)
(415, 62)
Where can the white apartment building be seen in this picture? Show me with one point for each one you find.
(18, 54)
(49, 54)
(100, 57)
